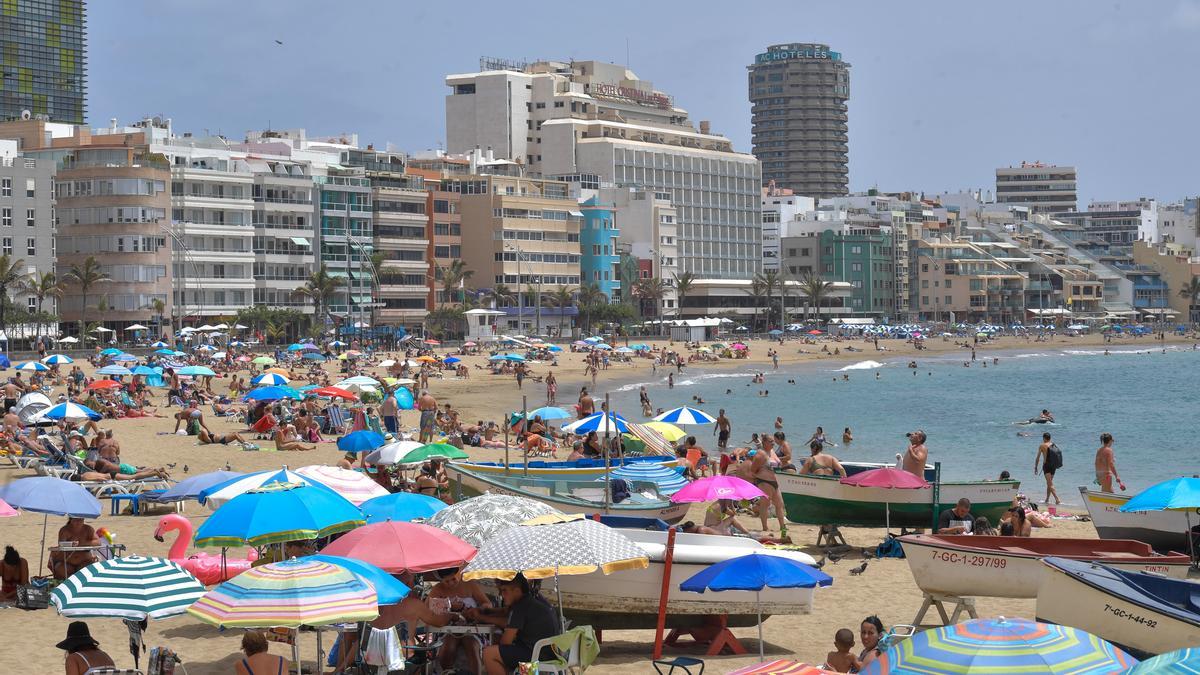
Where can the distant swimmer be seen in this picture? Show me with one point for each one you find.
(1044, 418)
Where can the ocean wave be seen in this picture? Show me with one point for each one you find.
(1029, 355)
(637, 385)
(1100, 352)
(861, 365)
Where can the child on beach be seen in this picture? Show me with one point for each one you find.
(842, 660)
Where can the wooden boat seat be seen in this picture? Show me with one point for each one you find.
(1017, 549)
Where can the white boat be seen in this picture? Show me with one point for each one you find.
(1011, 567)
(580, 469)
(629, 599)
(1144, 614)
(1164, 530)
(569, 496)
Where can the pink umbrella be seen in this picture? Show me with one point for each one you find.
(355, 486)
(403, 547)
(888, 478)
(713, 488)
(7, 511)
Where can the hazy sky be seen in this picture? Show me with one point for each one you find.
(941, 93)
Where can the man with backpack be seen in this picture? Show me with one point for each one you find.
(1049, 457)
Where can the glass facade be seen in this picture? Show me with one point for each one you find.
(42, 44)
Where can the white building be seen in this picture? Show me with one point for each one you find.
(1044, 188)
(1178, 223)
(648, 225)
(780, 206)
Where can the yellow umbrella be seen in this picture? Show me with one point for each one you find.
(427, 359)
(342, 356)
(668, 431)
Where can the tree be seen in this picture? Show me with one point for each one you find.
(561, 298)
(41, 286)
(771, 281)
(444, 321)
(590, 297)
(814, 289)
(683, 286)
(501, 296)
(1191, 291)
(12, 274)
(320, 288)
(86, 277)
(758, 290)
(453, 276)
(651, 290)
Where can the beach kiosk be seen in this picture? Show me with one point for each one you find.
(481, 324)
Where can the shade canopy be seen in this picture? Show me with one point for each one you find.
(401, 507)
(356, 486)
(478, 519)
(886, 477)
(565, 548)
(190, 488)
(755, 572)
(216, 495)
(51, 496)
(403, 547)
(276, 513)
(133, 587)
(712, 488)
(361, 441)
(601, 423)
(1171, 495)
(686, 415)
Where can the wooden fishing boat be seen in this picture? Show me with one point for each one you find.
(581, 469)
(1010, 567)
(629, 599)
(1164, 530)
(825, 500)
(1141, 612)
(569, 496)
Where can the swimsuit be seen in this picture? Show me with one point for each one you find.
(246, 665)
(759, 481)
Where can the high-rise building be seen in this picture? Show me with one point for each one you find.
(798, 95)
(1044, 188)
(43, 47)
(599, 119)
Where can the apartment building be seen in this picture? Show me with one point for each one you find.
(1116, 223)
(957, 281)
(45, 60)
(600, 259)
(648, 235)
(27, 228)
(1044, 188)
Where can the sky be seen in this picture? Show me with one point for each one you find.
(941, 93)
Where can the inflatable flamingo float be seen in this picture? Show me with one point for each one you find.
(204, 566)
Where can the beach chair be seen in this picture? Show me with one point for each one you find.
(574, 651)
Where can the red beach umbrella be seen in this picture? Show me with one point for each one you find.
(103, 384)
(887, 477)
(332, 392)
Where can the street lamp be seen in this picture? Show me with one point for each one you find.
(521, 296)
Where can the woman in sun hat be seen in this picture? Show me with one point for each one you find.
(83, 652)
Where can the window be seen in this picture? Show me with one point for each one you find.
(947, 283)
(854, 250)
(949, 300)
(540, 106)
(7, 242)
(924, 299)
(6, 187)
(30, 188)
(31, 217)
(829, 268)
(855, 267)
(31, 303)
(31, 246)
(6, 217)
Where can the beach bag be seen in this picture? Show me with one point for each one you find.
(383, 649)
(34, 595)
(1054, 458)
(890, 548)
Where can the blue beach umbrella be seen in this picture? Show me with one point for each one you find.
(57, 359)
(269, 379)
(73, 412)
(549, 413)
(755, 572)
(125, 358)
(114, 370)
(600, 423)
(513, 357)
(272, 394)
(159, 344)
(554, 348)
(1001, 646)
(389, 589)
(190, 488)
(296, 347)
(196, 371)
(451, 359)
(111, 351)
(686, 415)
(402, 507)
(216, 495)
(361, 441)
(668, 480)
(279, 512)
(337, 343)
(309, 347)
(50, 496)
(146, 370)
(165, 352)
(1177, 494)
(314, 356)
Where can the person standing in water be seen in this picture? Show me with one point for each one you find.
(916, 455)
(1106, 465)
(1050, 459)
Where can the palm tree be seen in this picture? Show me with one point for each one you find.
(320, 288)
(160, 307)
(683, 286)
(86, 277)
(770, 281)
(1191, 291)
(590, 296)
(561, 298)
(12, 275)
(41, 286)
(651, 289)
(814, 289)
(758, 290)
(501, 296)
(454, 276)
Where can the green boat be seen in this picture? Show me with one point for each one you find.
(825, 500)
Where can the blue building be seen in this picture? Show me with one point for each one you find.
(599, 262)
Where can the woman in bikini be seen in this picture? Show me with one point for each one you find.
(258, 661)
(764, 479)
(452, 595)
(14, 573)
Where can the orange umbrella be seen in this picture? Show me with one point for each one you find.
(332, 392)
(104, 384)
(278, 371)
(426, 359)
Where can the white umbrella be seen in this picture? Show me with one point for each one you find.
(221, 326)
(101, 329)
(69, 340)
(136, 326)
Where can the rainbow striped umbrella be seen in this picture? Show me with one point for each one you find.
(1178, 662)
(1002, 646)
(355, 486)
(291, 593)
(780, 667)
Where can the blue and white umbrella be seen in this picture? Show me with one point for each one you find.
(337, 343)
(686, 415)
(57, 359)
(216, 495)
(190, 488)
(33, 365)
(237, 343)
(114, 369)
(125, 358)
(165, 352)
(274, 393)
(269, 379)
(601, 423)
(72, 412)
(206, 348)
(50, 496)
(159, 344)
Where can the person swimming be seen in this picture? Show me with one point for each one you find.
(1044, 418)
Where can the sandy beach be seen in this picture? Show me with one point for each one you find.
(885, 589)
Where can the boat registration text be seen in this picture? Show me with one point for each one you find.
(970, 560)
(1125, 614)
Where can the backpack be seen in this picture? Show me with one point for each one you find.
(890, 548)
(1054, 458)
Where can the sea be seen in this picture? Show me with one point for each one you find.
(1148, 398)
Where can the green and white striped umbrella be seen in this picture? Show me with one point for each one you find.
(132, 587)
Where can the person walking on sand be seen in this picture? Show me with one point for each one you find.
(1050, 459)
(428, 406)
(916, 455)
(764, 479)
(586, 406)
(551, 389)
(1106, 465)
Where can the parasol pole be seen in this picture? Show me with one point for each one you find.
(562, 617)
(758, 608)
(607, 420)
(506, 446)
(42, 552)
(320, 660)
(525, 426)
(668, 560)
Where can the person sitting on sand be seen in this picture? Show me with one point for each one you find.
(83, 652)
(287, 441)
(14, 573)
(1015, 518)
(870, 632)
(841, 660)
(721, 516)
(258, 659)
(820, 463)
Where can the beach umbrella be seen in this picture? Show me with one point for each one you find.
(57, 359)
(159, 344)
(601, 423)
(237, 343)
(712, 488)
(389, 589)
(624, 350)
(1178, 662)
(295, 347)
(361, 441)
(331, 392)
(478, 519)
(146, 370)
(33, 366)
(272, 394)
(217, 494)
(451, 360)
(263, 360)
(269, 379)
(165, 352)
(755, 572)
(1001, 646)
(125, 358)
(887, 478)
(114, 370)
(133, 587)
(196, 371)
(276, 513)
(593, 339)
(103, 384)
(402, 507)
(313, 356)
(781, 667)
(355, 486)
(309, 347)
(205, 348)
(392, 453)
(358, 380)
(190, 488)
(667, 430)
(553, 348)
(602, 346)
(431, 451)
(72, 412)
(403, 547)
(774, 331)
(69, 340)
(667, 480)
(337, 343)
(278, 371)
(1176, 494)
(550, 413)
(431, 342)
(686, 415)
(111, 351)
(7, 511)
(50, 496)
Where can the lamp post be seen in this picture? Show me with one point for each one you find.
(521, 296)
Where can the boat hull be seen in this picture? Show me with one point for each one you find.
(1066, 597)
(471, 484)
(1164, 530)
(963, 570)
(824, 500)
(581, 470)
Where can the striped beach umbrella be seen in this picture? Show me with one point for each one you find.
(159, 344)
(72, 412)
(685, 415)
(601, 423)
(132, 587)
(57, 360)
(269, 379)
(33, 366)
(539, 551)
(1002, 646)
(1178, 662)
(216, 495)
(780, 667)
(355, 486)
(667, 480)
(291, 593)
(279, 512)
(114, 369)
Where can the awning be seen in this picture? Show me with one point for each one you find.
(1050, 312)
(854, 322)
(300, 241)
(576, 214)
(1160, 312)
